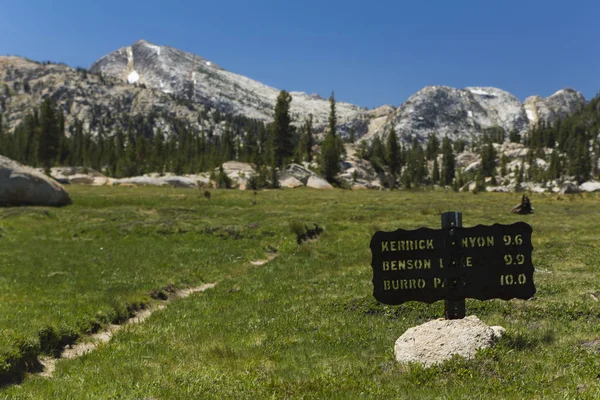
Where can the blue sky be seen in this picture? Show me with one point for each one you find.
(370, 53)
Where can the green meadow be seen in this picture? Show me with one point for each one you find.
(304, 325)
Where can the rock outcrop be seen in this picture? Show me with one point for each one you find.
(24, 186)
(437, 341)
(446, 111)
(560, 104)
(154, 179)
(303, 175)
(78, 175)
(316, 182)
(238, 172)
(590, 186)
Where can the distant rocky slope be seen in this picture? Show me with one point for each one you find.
(169, 87)
(559, 105)
(466, 113)
(202, 81)
(94, 100)
(434, 109)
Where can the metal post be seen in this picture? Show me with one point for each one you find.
(453, 309)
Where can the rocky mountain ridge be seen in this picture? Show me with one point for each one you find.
(98, 102)
(466, 113)
(458, 113)
(169, 86)
(201, 81)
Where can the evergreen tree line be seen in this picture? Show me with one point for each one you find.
(412, 164)
(574, 143)
(135, 147)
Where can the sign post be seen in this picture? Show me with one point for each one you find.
(453, 309)
(453, 263)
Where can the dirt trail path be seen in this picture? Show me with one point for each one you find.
(92, 342)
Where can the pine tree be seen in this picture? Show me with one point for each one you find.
(392, 153)
(282, 130)
(503, 164)
(158, 153)
(583, 166)
(250, 145)
(435, 176)
(352, 135)
(330, 148)
(306, 141)
(514, 136)
(329, 159)
(555, 168)
(332, 115)
(519, 177)
(433, 146)
(4, 141)
(488, 159)
(377, 154)
(448, 162)
(49, 138)
(227, 144)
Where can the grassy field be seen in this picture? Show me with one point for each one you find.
(304, 325)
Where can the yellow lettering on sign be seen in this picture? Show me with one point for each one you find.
(403, 265)
(478, 241)
(404, 284)
(407, 245)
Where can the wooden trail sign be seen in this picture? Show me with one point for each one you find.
(453, 263)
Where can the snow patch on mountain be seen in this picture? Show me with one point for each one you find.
(129, 59)
(479, 92)
(133, 77)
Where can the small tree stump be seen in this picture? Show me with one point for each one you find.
(524, 207)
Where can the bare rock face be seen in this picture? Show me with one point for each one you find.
(299, 172)
(378, 118)
(590, 186)
(86, 97)
(78, 175)
(166, 180)
(238, 170)
(439, 340)
(288, 181)
(560, 104)
(316, 182)
(457, 113)
(465, 158)
(202, 81)
(24, 186)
